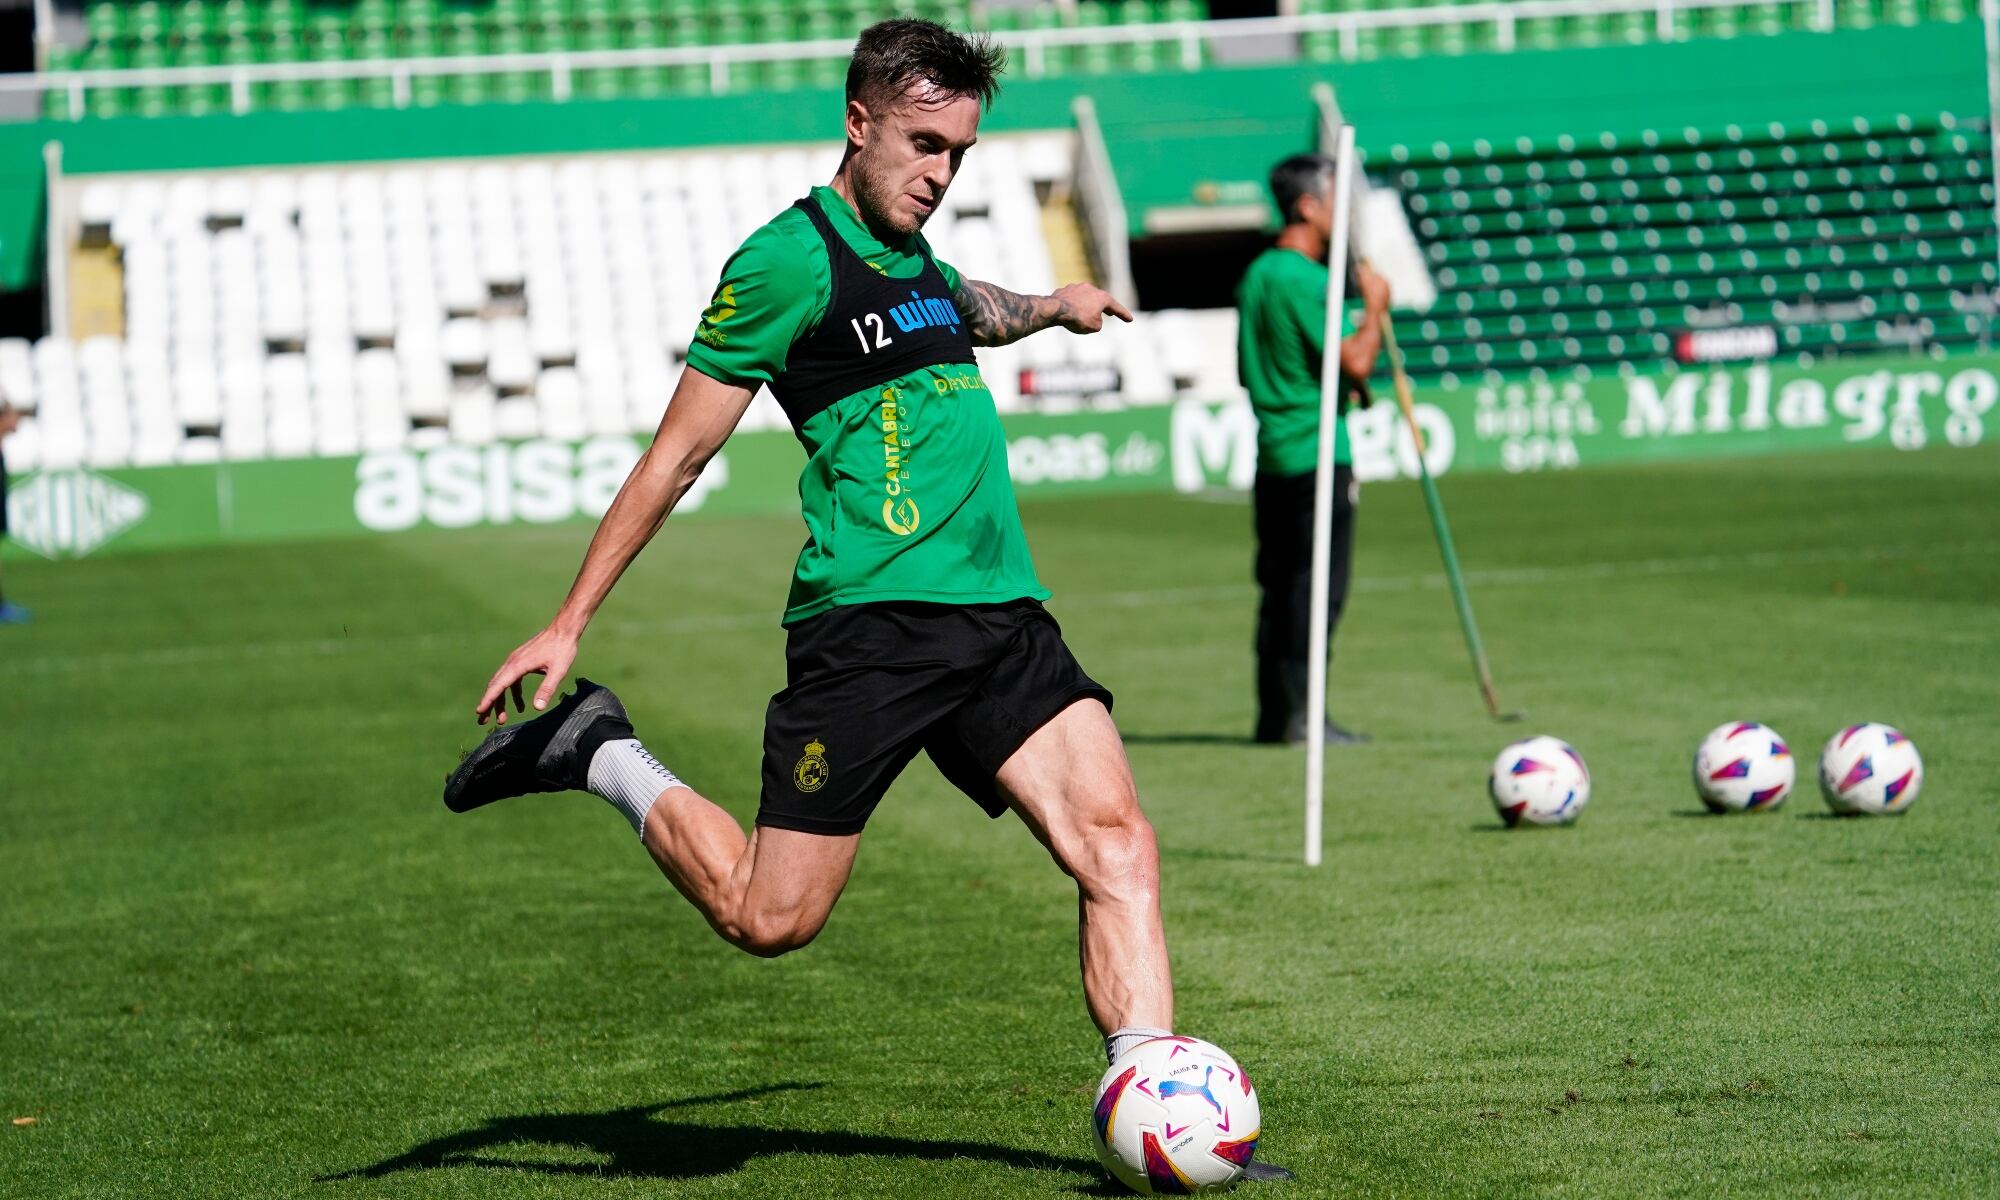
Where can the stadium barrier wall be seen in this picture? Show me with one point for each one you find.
(1189, 446)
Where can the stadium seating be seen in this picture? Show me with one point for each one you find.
(1595, 252)
(152, 33)
(148, 33)
(325, 312)
(1548, 33)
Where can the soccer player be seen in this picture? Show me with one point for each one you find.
(915, 620)
(1281, 337)
(10, 420)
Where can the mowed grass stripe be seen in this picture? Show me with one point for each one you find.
(702, 623)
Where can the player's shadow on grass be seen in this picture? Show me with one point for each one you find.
(631, 1143)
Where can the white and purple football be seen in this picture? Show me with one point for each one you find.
(1176, 1115)
(1540, 781)
(1743, 767)
(1870, 768)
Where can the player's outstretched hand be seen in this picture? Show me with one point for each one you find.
(548, 654)
(1084, 305)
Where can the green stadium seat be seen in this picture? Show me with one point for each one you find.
(191, 21)
(1403, 41)
(1587, 29)
(426, 91)
(725, 29)
(596, 83)
(280, 26)
(471, 88)
(462, 37)
(375, 91)
(772, 25)
(1539, 33)
(1724, 22)
(288, 95)
(540, 15)
(326, 21)
(151, 100)
(333, 93)
(1320, 46)
(104, 22)
(108, 102)
(418, 16)
(359, 17)
(1094, 58)
(146, 22)
(778, 75)
(513, 87)
(1854, 14)
(1629, 29)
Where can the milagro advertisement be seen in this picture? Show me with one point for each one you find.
(1189, 445)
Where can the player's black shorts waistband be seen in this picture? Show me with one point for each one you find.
(869, 685)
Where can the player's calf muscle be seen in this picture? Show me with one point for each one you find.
(738, 918)
(768, 935)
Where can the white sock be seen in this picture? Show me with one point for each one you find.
(630, 778)
(1124, 1039)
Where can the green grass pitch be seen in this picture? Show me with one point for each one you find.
(244, 951)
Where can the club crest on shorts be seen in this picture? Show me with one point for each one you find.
(812, 772)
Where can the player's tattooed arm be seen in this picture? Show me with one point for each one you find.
(997, 316)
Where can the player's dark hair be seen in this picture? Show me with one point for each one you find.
(1298, 176)
(892, 55)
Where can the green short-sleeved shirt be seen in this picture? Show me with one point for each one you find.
(905, 492)
(1280, 338)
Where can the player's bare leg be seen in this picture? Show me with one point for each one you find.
(768, 893)
(1072, 785)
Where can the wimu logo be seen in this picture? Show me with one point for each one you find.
(918, 312)
(923, 312)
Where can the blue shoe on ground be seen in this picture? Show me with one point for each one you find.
(14, 614)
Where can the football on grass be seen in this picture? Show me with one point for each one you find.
(1539, 781)
(1743, 767)
(1176, 1115)
(1870, 768)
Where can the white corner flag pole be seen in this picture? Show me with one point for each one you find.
(1329, 412)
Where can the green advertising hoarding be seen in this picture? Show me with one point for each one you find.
(1188, 446)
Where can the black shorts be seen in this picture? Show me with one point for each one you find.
(869, 685)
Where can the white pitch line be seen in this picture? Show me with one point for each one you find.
(180, 656)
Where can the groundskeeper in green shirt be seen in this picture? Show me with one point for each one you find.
(1280, 337)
